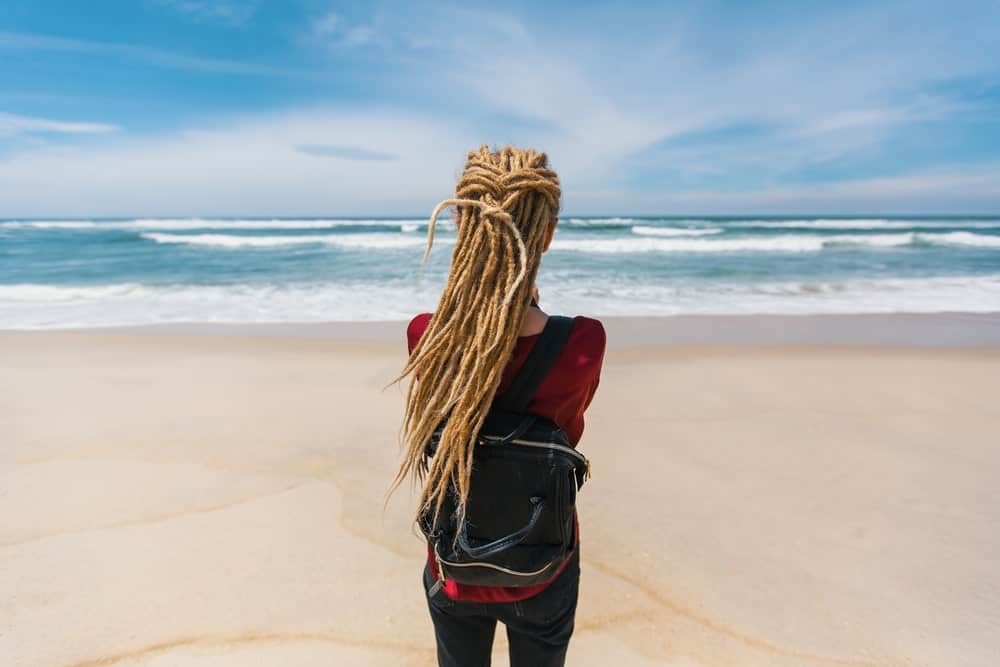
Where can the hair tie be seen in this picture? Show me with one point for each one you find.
(486, 211)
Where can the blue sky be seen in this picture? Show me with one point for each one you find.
(311, 107)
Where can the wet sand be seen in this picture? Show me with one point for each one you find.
(881, 330)
(218, 500)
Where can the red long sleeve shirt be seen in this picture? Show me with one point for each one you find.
(562, 397)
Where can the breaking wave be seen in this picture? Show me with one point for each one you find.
(373, 241)
(643, 230)
(787, 243)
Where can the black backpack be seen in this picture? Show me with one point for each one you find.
(519, 520)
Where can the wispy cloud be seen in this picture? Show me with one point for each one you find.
(148, 55)
(327, 24)
(228, 12)
(334, 29)
(609, 102)
(343, 152)
(13, 124)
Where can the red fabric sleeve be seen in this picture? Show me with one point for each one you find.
(416, 329)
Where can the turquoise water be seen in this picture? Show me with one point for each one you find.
(73, 273)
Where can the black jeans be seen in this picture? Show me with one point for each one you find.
(538, 629)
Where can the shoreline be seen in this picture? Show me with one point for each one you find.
(956, 329)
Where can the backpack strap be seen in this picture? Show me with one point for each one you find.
(540, 360)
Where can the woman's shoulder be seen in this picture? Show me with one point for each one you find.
(415, 329)
(590, 329)
(419, 322)
(587, 340)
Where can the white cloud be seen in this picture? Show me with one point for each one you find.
(333, 30)
(343, 152)
(252, 167)
(359, 35)
(229, 12)
(13, 125)
(326, 24)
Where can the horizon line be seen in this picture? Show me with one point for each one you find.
(261, 216)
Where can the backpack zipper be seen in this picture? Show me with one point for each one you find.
(547, 445)
(489, 565)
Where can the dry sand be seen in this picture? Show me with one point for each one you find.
(213, 500)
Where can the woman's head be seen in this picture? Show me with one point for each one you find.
(509, 186)
(507, 202)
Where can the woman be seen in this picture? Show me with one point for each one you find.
(461, 357)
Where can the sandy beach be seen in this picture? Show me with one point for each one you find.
(177, 499)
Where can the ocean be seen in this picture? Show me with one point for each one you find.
(95, 273)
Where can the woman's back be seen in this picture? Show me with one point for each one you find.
(563, 396)
(569, 386)
(462, 358)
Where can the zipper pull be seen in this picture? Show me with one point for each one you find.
(440, 567)
(440, 582)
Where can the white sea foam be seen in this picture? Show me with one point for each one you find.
(194, 224)
(49, 224)
(649, 244)
(778, 244)
(856, 223)
(967, 239)
(374, 241)
(875, 240)
(643, 230)
(36, 293)
(972, 294)
(595, 222)
(32, 306)
(863, 223)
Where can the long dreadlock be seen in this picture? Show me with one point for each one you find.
(505, 201)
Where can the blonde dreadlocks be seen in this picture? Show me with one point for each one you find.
(505, 201)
